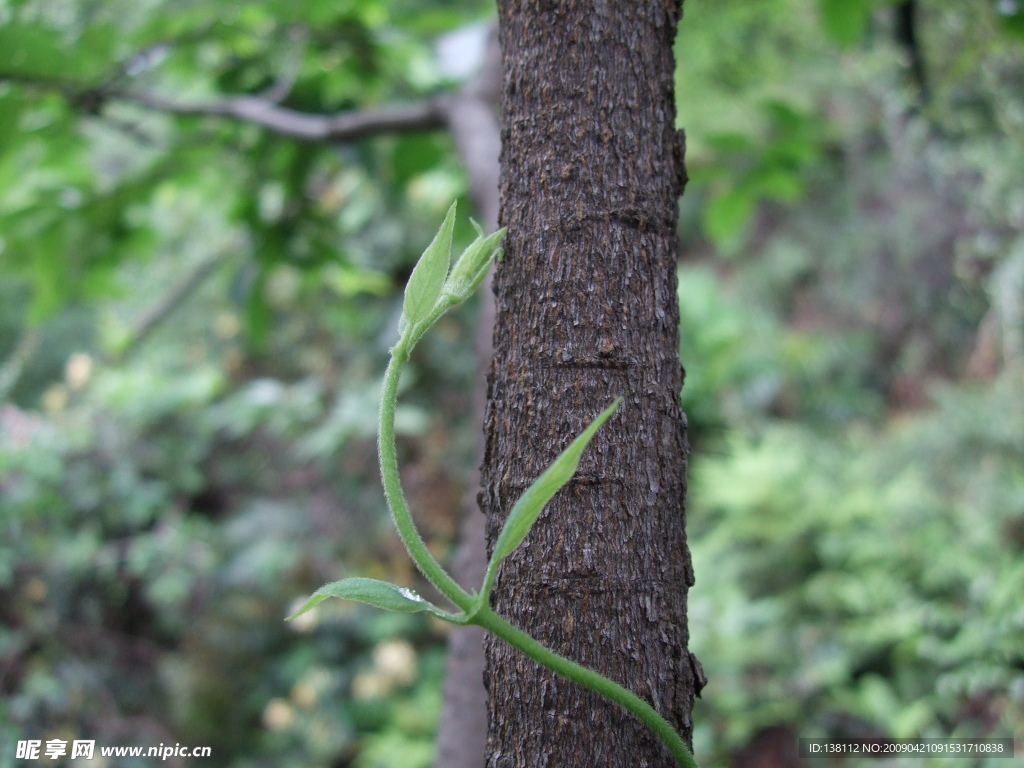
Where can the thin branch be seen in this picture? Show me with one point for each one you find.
(344, 126)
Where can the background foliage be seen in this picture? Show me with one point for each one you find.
(194, 312)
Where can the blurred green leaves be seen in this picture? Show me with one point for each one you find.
(80, 167)
(748, 170)
(877, 558)
(33, 49)
(1013, 22)
(845, 21)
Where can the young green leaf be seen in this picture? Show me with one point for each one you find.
(424, 286)
(377, 593)
(526, 511)
(472, 265)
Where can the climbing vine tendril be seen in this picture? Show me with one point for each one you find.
(430, 292)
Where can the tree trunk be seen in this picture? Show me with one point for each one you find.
(587, 311)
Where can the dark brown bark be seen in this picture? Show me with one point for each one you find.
(587, 311)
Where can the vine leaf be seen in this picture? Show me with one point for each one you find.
(373, 592)
(472, 265)
(526, 511)
(427, 278)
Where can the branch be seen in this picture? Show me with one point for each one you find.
(344, 126)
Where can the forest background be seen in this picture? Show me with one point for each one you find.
(195, 311)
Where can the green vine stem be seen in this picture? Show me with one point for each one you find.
(431, 292)
(483, 615)
(411, 538)
(499, 627)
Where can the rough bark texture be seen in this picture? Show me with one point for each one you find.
(587, 311)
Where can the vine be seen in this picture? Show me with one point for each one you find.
(431, 291)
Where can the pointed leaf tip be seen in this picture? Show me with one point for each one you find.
(424, 286)
(529, 506)
(471, 267)
(372, 592)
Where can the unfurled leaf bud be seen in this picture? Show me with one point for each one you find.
(471, 268)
